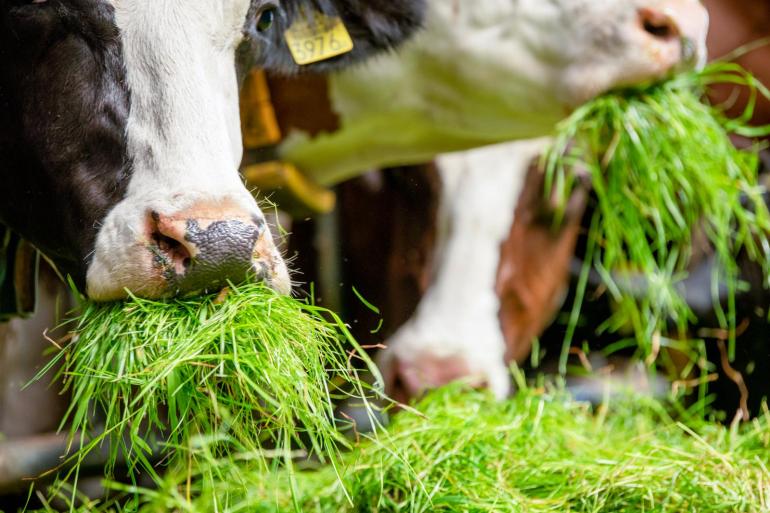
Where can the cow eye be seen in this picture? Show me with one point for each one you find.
(266, 19)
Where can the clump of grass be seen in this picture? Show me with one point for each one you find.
(249, 371)
(664, 170)
(537, 452)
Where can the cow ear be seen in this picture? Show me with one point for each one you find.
(372, 26)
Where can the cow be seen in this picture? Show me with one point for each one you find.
(119, 152)
(472, 280)
(473, 328)
(487, 278)
(492, 71)
(480, 74)
(120, 137)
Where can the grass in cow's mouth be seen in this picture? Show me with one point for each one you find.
(538, 452)
(253, 370)
(665, 174)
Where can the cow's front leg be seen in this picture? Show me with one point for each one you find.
(456, 332)
(533, 276)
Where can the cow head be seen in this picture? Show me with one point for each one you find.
(120, 136)
(490, 71)
(591, 46)
(545, 55)
(568, 51)
(512, 63)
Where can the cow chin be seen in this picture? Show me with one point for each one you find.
(150, 276)
(583, 84)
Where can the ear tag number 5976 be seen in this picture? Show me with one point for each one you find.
(317, 38)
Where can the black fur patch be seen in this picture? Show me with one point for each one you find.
(64, 106)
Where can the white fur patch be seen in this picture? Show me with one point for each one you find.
(459, 315)
(184, 135)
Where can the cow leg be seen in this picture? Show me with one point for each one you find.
(455, 332)
(533, 276)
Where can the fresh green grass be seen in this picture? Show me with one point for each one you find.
(663, 170)
(250, 381)
(250, 371)
(538, 452)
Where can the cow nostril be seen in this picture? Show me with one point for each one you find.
(174, 252)
(659, 31)
(658, 24)
(170, 251)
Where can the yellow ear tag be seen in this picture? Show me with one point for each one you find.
(318, 38)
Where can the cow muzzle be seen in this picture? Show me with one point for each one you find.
(197, 249)
(656, 39)
(208, 245)
(674, 32)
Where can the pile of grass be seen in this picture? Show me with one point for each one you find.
(664, 170)
(248, 371)
(233, 386)
(538, 452)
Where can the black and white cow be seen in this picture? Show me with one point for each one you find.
(120, 138)
(119, 152)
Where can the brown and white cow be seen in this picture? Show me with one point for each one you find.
(472, 264)
(481, 73)
(520, 263)
(491, 275)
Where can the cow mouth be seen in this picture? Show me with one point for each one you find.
(188, 277)
(184, 255)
